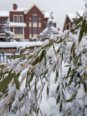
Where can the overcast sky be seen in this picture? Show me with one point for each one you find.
(59, 7)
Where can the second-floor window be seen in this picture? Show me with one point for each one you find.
(15, 18)
(20, 18)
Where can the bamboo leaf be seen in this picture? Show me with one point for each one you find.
(6, 81)
(82, 30)
(16, 81)
(58, 99)
(42, 54)
(72, 98)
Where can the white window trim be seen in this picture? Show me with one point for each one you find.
(30, 24)
(39, 24)
(15, 16)
(19, 16)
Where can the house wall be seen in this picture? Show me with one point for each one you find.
(29, 29)
(28, 19)
(67, 24)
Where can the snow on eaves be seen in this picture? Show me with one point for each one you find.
(17, 24)
(4, 13)
(19, 44)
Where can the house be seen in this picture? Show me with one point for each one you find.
(69, 19)
(26, 23)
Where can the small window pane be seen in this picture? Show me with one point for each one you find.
(21, 18)
(39, 30)
(34, 18)
(34, 30)
(15, 18)
(18, 30)
(35, 24)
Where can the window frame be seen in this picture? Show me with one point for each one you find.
(14, 18)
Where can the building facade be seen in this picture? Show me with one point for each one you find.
(69, 19)
(25, 23)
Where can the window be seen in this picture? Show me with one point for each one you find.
(30, 30)
(34, 30)
(18, 30)
(15, 18)
(39, 30)
(34, 24)
(21, 18)
(34, 18)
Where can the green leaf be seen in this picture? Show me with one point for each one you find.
(6, 81)
(42, 54)
(58, 99)
(82, 30)
(16, 81)
(79, 20)
(72, 98)
(47, 91)
(85, 87)
(73, 47)
(36, 61)
(69, 71)
(61, 104)
(57, 89)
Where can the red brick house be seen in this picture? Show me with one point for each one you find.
(69, 19)
(26, 23)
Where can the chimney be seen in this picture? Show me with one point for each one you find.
(14, 6)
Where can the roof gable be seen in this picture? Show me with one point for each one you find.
(35, 9)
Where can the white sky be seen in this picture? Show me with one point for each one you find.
(59, 7)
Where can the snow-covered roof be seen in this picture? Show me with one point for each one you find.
(4, 13)
(17, 24)
(46, 14)
(75, 14)
(19, 44)
(20, 9)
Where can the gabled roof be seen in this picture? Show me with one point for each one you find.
(25, 10)
(34, 5)
(4, 13)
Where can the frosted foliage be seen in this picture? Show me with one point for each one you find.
(48, 80)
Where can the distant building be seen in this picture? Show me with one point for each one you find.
(69, 19)
(3, 18)
(24, 23)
